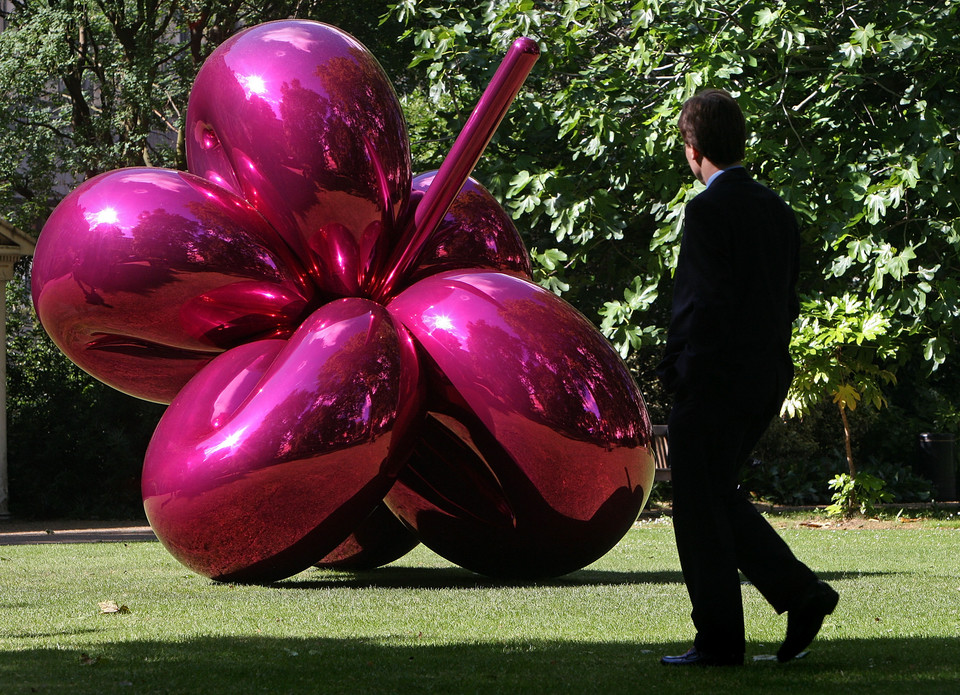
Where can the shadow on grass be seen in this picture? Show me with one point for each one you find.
(457, 578)
(399, 664)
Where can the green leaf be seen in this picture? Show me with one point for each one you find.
(846, 396)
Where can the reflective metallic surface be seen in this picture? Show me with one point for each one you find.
(141, 276)
(341, 346)
(536, 457)
(300, 119)
(277, 450)
(380, 539)
(475, 233)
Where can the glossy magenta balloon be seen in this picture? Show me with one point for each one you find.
(142, 276)
(300, 119)
(278, 450)
(536, 457)
(350, 354)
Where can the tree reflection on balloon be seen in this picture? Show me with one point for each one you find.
(356, 360)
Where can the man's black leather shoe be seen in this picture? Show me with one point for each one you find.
(805, 619)
(694, 657)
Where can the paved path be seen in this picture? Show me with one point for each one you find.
(38, 532)
(14, 532)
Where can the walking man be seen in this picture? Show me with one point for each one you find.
(728, 366)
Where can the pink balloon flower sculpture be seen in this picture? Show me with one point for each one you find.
(355, 360)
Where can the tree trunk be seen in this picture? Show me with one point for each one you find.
(846, 441)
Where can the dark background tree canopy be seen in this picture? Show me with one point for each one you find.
(852, 109)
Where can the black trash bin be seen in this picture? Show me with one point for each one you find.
(938, 463)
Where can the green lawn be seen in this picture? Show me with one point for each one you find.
(422, 625)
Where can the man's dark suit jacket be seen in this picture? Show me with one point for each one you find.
(734, 290)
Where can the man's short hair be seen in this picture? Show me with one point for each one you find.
(712, 123)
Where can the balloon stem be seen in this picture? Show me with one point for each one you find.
(464, 155)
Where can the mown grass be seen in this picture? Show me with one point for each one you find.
(423, 625)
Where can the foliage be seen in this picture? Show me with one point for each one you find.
(795, 480)
(852, 111)
(857, 339)
(838, 348)
(861, 493)
(901, 481)
(797, 457)
(790, 482)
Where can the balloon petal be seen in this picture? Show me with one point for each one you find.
(536, 457)
(277, 450)
(300, 119)
(141, 276)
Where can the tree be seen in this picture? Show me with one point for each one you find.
(840, 346)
